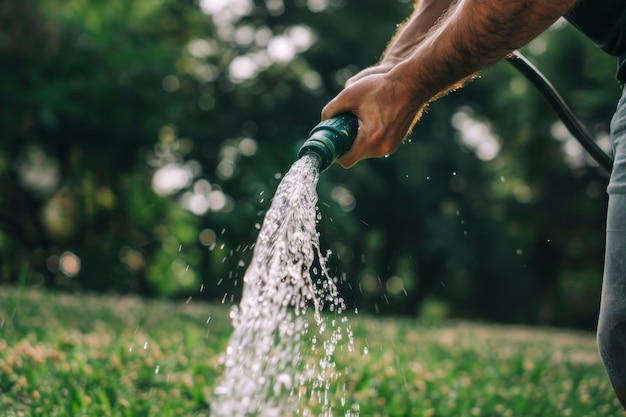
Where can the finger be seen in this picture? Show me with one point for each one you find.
(355, 152)
(354, 155)
(359, 76)
(378, 69)
(349, 159)
(358, 150)
(335, 106)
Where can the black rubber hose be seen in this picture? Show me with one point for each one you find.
(566, 115)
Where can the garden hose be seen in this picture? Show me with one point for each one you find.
(330, 139)
(566, 115)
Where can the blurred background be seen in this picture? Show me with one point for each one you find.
(141, 143)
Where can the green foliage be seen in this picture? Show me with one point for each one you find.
(99, 99)
(125, 356)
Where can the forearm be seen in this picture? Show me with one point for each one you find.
(474, 35)
(412, 32)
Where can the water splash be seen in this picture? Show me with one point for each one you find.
(266, 371)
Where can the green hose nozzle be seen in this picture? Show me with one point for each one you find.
(330, 139)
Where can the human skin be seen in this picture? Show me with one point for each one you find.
(442, 45)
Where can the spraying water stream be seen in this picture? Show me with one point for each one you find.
(266, 369)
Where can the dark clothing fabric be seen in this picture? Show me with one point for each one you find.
(604, 22)
(617, 183)
(612, 319)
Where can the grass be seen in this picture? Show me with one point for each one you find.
(91, 355)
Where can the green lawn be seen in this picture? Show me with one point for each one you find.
(89, 355)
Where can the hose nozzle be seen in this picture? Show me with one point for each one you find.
(330, 139)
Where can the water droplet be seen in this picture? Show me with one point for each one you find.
(519, 252)
(257, 226)
(269, 322)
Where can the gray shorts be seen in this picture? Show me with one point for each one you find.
(612, 320)
(617, 184)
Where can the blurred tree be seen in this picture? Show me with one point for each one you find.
(141, 142)
(82, 105)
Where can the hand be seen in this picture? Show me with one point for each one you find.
(381, 68)
(386, 110)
